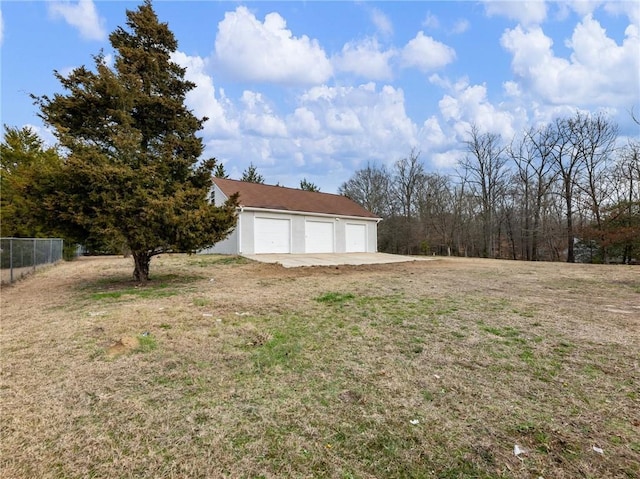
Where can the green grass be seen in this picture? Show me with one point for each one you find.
(206, 261)
(281, 350)
(201, 302)
(335, 298)
(147, 343)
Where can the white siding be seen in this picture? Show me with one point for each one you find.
(229, 245)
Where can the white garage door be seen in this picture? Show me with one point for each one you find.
(272, 235)
(318, 237)
(356, 236)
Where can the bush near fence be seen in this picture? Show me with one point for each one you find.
(21, 256)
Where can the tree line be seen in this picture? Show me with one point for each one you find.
(563, 191)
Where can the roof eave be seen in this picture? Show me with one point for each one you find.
(310, 213)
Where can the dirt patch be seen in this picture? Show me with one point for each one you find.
(124, 345)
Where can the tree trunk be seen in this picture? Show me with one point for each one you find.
(571, 258)
(535, 233)
(569, 202)
(141, 271)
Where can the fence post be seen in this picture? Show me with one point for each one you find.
(33, 258)
(11, 260)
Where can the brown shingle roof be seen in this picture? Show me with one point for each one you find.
(257, 195)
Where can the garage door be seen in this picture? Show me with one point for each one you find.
(272, 235)
(318, 237)
(356, 236)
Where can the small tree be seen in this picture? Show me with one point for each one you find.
(219, 171)
(251, 175)
(132, 172)
(308, 186)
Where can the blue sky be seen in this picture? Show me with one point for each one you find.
(317, 90)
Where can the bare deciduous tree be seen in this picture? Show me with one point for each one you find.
(370, 188)
(484, 170)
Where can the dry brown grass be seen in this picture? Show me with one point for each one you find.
(425, 369)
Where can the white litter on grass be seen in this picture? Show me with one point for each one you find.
(518, 451)
(211, 280)
(436, 376)
(598, 450)
(97, 313)
(414, 421)
(207, 315)
(243, 314)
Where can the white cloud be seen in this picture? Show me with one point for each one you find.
(382, 22)
(431, 21)
(468, 104)
(426, 54)
(461, 26)
(255, 51)
(264, 125)
(203, 101)
(630, 9)
(304, 123)
(375, 120)
(525, 12)
(82, 15)
(438, 80)
(258, 117)
(329, 132)
(512, 89)
(432, 135)
(583, 7)
(366, 59)
(447, 159)
(598, 72)
(343, 121)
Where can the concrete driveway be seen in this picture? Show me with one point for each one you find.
(333, 259)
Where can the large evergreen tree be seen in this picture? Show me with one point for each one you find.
(132, 173)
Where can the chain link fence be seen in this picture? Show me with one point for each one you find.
(21, 256)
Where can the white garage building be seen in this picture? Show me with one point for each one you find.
(274, 219)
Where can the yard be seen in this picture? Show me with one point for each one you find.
(222, 367)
